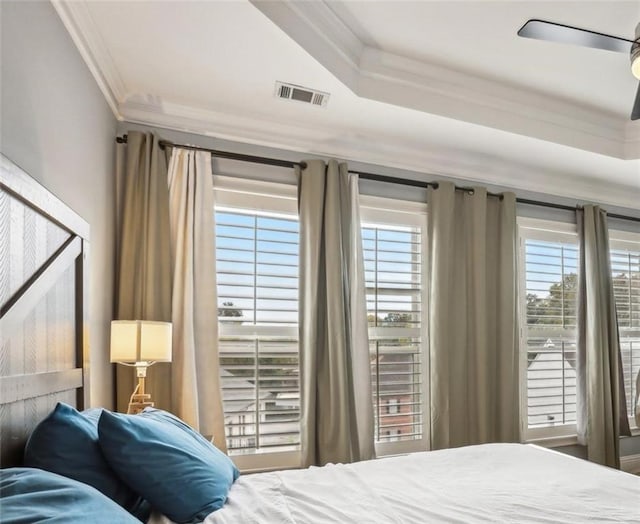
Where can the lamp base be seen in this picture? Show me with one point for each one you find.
(139, 399)
(138, 403)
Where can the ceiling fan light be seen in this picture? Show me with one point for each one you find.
(635, 64)
(635, 54)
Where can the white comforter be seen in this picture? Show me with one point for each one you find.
(488, 483)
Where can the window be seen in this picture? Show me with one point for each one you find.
(625, 270)
(257, 274)
(548, 268)
(394, 260)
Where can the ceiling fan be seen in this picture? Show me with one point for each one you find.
(566, 34)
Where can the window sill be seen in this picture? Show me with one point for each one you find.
(566, 440)
(263, 461)
(554, 442)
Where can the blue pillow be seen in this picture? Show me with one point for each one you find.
(183, 476)
(170, 418)
(33, 495)
(66, 443)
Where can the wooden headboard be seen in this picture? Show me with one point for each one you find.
(43, 297)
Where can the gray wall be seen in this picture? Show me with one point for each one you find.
(57, 127)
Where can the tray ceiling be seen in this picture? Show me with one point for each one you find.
(438, 87)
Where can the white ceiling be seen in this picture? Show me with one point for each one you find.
(480, 38)
(436, 87)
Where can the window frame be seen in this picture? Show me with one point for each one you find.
(262, 197)
(380, 211)
(270, 197)
(625, 240)
(548, 231)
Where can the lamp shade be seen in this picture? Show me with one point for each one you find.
(140, 341)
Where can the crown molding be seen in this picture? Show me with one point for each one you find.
(321, 33)
(77, 20)
(386, 77)
(152, 110)
(382, 151)
(377, 75)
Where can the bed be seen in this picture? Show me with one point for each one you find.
(485, 483)
(43, 360)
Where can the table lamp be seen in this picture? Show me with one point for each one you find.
(140, 344)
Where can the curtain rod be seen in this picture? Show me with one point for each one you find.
(364, 175)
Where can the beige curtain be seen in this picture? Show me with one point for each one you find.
(337, 412)
(601, 405)
(143, 259)
(195, 370)
(472, 317)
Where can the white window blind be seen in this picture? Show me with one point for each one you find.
(625, 270)
(394, 269)
(550, 261)
(257, 276)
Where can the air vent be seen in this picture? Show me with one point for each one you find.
(301, 94)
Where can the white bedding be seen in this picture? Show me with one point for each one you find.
(487, 483)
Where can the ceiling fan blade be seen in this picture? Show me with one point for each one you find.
(566, 34)
(635, 113)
